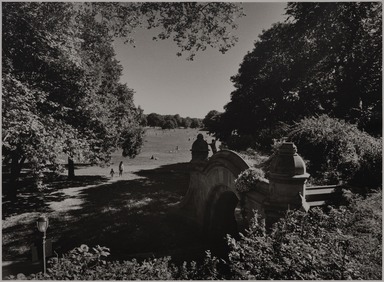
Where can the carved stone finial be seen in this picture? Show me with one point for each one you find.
(288, 148)
(288, 163)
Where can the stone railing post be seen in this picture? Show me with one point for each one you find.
(286, 181)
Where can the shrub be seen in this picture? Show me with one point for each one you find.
(343, 243)
(84, 263)
(337, 151)
(248, 179)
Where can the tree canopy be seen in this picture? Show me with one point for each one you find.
(325, 59)
(61, 89)
(212, 121)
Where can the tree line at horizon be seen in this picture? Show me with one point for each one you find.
(62, 94)
(171, 121)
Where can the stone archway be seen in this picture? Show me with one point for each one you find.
(208, 181)
(220, 217)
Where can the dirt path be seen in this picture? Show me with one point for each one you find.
(72, 196)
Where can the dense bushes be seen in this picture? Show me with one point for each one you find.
(339, 243)
(342, 243)
(84, 263)
(248, 179)
(337, 151)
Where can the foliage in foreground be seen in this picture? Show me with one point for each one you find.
(343, 243)
(84, 263)
(339, 243)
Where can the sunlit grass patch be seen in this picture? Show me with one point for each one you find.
(20, 220)
(135, 204)
(66, 205)
(110, 209)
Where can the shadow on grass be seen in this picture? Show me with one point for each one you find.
(131, 217)
(29, 199)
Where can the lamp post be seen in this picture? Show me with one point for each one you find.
(42, 225)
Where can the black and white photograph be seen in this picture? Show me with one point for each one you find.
(191, 140)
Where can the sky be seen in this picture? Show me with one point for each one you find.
(167, 84)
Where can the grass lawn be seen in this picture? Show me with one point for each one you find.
(128, 214)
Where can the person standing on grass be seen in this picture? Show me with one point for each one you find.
(213, 146)
(121, 168)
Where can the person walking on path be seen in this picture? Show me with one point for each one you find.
(121, 168)
(213, 146)
(112, 172)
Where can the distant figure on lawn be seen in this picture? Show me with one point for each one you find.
(121, 168)
(213, 146)
(199, 149)
(112, 172)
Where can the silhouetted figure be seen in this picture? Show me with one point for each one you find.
(199, 149)
(213, 146)
(121, 168)
(112, 173)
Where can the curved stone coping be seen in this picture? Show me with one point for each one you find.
(229, 159)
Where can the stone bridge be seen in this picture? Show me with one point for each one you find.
(214, 205)
(211, 199)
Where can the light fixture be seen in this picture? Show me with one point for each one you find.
(42, 225)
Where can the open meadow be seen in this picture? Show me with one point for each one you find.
(129, 214)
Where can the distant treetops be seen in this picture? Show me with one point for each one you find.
(171, 121)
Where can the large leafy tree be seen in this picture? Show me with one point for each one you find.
(61, 90)
(43, 84)
(212, 121)
(326, 58)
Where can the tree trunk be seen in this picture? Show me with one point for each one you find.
(16, 166)
(71, 168)
(7, 159)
